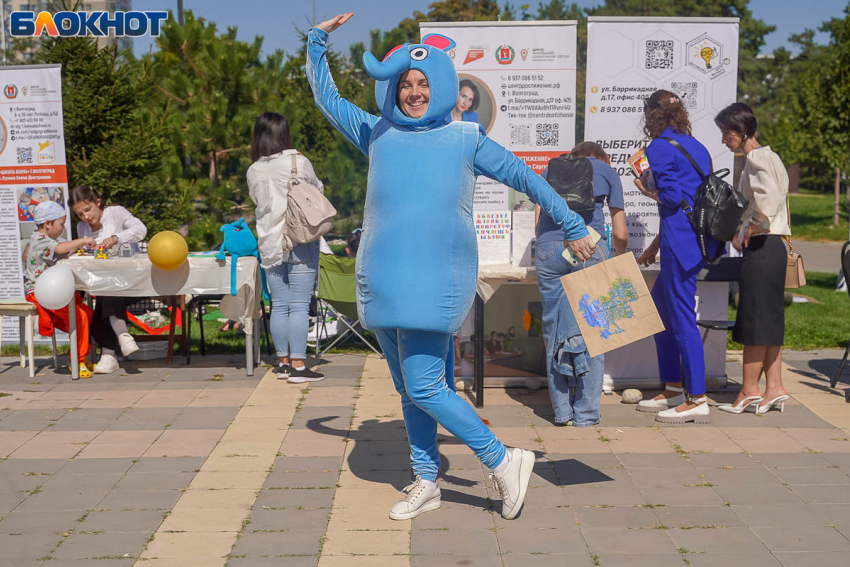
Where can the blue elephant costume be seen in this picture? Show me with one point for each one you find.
(417, 265)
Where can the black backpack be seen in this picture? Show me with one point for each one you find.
(572, 178)
(718, 207)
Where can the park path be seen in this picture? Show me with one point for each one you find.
(202, 466)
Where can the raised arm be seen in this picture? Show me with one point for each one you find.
(354, 123)
(497, 163)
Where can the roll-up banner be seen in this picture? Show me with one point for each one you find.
(518, 80)
(32, 167)
(628, 59)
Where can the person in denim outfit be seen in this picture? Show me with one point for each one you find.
(575, 378)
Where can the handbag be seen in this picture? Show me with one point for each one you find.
(718, 207)
(795, 273)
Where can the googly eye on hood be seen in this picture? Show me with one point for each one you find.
(431, 59)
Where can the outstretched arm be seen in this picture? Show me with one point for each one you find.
(354, 123)
(497, 163)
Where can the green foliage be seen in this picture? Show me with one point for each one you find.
(113, 142)
(811, 218)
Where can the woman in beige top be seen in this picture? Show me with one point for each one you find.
(760, 324)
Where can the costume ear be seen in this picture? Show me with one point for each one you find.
(439, 41)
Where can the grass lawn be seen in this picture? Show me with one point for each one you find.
(811, 218)
(811, 326)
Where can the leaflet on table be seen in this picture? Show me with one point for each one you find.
(32, 166)
(630, 58)
(493, 229)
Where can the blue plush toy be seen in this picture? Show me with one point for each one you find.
(238, 241)
(417, 264)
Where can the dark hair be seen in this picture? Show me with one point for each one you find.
(476, 99)
(353, 243)
(663, 110)
(738, 117)
(271, 135)
(590, 149)
(81, 194)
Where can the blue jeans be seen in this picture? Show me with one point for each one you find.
(290, 286)
(575, 379)
(417, 361)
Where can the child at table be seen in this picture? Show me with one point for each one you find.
(109, 226)
(46, 247)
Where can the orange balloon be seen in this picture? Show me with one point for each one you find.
(167, 250)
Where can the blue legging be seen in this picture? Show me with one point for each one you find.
(417, 361)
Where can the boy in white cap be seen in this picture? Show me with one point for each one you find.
(46, 247)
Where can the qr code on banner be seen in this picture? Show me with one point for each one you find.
(547, 134)
(24, 155)
(659, 54)
(520, 135)
(687, 93)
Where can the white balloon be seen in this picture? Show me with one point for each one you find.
(54, 288)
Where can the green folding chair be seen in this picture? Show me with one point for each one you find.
(336, 292)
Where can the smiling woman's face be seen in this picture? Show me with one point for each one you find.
(413, 93)
(465, 99)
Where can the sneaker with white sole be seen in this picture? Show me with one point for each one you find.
(513, 483)
(127, 343)
(304, 375)
(419, 498)
(106, 365)
(282, 371)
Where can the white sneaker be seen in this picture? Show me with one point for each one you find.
(513, 483)
(420, 498)
(655, 406)
(106, 365)
(699, 414)
(127, 343)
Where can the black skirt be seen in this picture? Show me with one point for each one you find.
(761, 308)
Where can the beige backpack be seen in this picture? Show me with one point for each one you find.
(309, 215)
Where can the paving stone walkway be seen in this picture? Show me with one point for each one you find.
(201, 466)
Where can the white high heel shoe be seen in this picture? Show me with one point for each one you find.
(741, 406)
(766, 407)
(655, 406)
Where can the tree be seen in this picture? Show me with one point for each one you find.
(112, 141)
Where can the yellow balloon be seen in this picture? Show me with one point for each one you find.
(167, 250)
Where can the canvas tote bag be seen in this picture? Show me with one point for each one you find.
(612, 304)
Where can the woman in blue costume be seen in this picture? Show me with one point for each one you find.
(418, 261)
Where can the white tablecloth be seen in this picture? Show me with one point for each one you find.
(200, 275)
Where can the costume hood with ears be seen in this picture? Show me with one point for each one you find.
(431, 59)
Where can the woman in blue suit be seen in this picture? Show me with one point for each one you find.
(679, 346)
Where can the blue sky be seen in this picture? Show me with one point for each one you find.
(276, 20)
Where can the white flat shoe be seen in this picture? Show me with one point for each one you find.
(512, 485)
(127, 343)
(741, 406)
(655, 406)
(766, 407)
(419, 498)
(698, 415)
(106, 365)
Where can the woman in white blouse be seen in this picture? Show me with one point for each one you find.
(290, 274)
(109, 226)
(760, 324)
